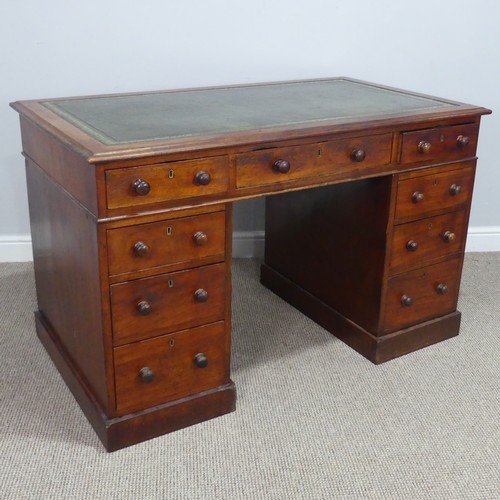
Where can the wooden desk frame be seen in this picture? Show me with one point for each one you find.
(359, 169)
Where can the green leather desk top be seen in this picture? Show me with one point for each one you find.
(122, 119)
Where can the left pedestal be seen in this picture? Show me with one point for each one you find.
(142, 339)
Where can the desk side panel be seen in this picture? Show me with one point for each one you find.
(66, 265)
(62, 164)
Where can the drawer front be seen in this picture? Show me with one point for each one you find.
(128, 187)
(427, 239)
(446, 191)
(146, 246)
(442, 143)
(169, 367)
(146, 307)
(421, 295)
(311, 160)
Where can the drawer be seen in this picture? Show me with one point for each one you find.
(427, 239)
(444, 191)
(421, 295)
(146, 307)
(128, 187)
(298, 162)
(146, 246)
(169, 367)
(439, 144)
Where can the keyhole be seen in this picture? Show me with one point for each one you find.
(169, 231)
(170, 174)
(170, 283)
(319, 152)
(172, 342)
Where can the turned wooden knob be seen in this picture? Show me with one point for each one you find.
(462, 141)
(146, 375)
(406, 300)
(411, 246)
(449, 236)
(202, 178)
(455, 189)
(424, 147)
(417, 197)
(201, 295)
(281, 166)
(358, 155)
(200, 238)
(442, 289)
(141, 187)
(141, 249)
(200, 360)
(143, 307)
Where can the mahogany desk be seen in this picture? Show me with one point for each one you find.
(131, 216)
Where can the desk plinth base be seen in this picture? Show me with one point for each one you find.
(376, 349)
(120, 432)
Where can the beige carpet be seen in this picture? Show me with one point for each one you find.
(314, 419)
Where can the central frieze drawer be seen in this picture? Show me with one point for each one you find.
(273, 165)
(146, 246)
(128, 187)
(169, 367)
(146, 307)
(422, 294)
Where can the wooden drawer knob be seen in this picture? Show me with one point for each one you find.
(202, 178)
(462, 141)
(143, 307)
(455, 189)
(141, 249)
(417, 197)
(281, 166)
(406, 300)
(200, 238)
(201, 295)
(442, 289)
(200, 360)
(449, 236)
(141, 187)
(412, 246)
(146, 375)
(424, 147)
(358, 155)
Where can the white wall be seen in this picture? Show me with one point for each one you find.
(55, 48)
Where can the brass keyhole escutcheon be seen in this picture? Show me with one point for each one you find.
(169, 231)
(170, 283)
(170, 174)
(172, 342)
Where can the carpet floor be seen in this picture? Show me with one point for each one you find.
(314, 419)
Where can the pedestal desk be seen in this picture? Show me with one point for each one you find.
(131, 216)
